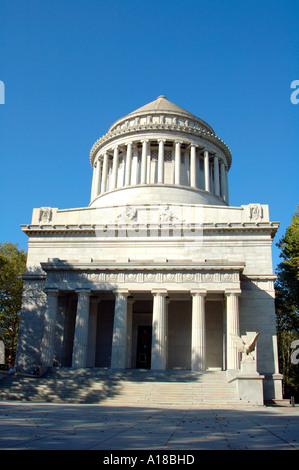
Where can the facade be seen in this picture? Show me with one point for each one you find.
(159, 271)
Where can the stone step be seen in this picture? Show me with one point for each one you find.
(122, 387)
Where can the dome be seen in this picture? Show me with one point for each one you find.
(162, 105)
(160, 153)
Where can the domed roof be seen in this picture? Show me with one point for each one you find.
(162, 104)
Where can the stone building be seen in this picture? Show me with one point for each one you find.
(159, 271)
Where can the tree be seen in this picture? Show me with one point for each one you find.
(287, 304)
(12, 266)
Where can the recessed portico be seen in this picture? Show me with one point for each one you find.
(122, 323)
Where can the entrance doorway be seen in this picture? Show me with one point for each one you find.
(144, 347)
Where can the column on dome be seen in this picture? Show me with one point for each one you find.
(81, 329)
(193, 175)
(207, 170)
(128, 164)
(105, 172)
(148, 164)
(222, 180)
(198, 339)
(144, 161)
(226, 185)
(93, 183)
(232, 328)
(161, 161)
(119, 338)
(115, 167)
(47, 344)
(158, 355)
(134, 168)
(97, 185)
(216, 176)
(177, 162)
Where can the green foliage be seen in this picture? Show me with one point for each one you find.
(12, 266)
(287, 304)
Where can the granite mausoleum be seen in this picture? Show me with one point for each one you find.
(159, 271)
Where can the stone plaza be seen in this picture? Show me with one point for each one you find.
(27, 426)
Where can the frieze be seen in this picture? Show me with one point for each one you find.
(140, 276)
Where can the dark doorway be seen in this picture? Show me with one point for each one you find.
(144, 346)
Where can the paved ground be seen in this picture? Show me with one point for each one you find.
(95, 427)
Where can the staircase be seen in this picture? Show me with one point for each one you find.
(123, 388)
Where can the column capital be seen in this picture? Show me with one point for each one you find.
(161, 140)
(202, 292)
(159, 291)
(178, 141)
(83, 291)
(130, 300)
(144, 141)
(95, 300)
(121, 291)
(236, 292)
(51, 290)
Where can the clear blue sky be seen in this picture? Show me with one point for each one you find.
(73, 67)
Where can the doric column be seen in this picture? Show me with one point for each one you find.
(161, 161)
(97, 185)
(148, 164)
(93, 183)
(143, 161)
(47, 345)
(193, 166)
(216, 176)
(198, 339)
(130, 302)
(226, 187)
(207, 169)
(119, 339)
(81, 329)
(222, 179)
(232, 327)
(105, 173)
(158, 357)
(92, 332)
(115, 168)
(128, 164)
(177, 162)
(134, 170)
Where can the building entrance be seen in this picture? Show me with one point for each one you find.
(144, 346)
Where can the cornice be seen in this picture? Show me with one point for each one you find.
(62, 230)
(150, 127)
(113, 265)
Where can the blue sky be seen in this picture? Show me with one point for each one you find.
(73, 67)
